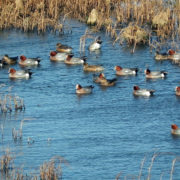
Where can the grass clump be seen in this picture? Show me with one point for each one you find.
(6, 162)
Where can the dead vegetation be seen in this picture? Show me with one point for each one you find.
(10, 102)
(51, 170)
(120, 19)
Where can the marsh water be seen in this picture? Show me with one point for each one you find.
(101, 134)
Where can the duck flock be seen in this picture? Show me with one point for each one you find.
(63, 53)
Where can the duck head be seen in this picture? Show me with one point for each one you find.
(177, 89)
(53, 53)
(23, 58)
(147, 71)
(136, 88)
(78, 86)
(174, 126)
(101, 75)
(118, 68)
(171, 52)
(12, 70)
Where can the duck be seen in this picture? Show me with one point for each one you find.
(175, 129)
(100, 78)
(92, 68)
(6, 60)
(74, 60)
(154, 74)
(142, 92)
(95, 45)
(84, 90)
(169, 55)
(163, 56)
(58, 56)
(19, 74)
(24, 61)
(125, 71)
(63, 48)
(103, 81)
(177, 90)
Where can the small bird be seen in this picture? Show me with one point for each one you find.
(142, 92)
(125, 71)
(19, 74)
(63, 48)
(58, 56)
(177, 90)
(92, 68)
(100, 78)
(155, 74)
(24, 61)
(175, 129)
(83, 90)
(103, 81)
(96, 44)
(74, 60)
(6, 60)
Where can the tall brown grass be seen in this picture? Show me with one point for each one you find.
(161, 17)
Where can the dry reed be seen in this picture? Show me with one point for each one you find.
(9, 102)
(6, 162)
(161, 17)
(52, 169)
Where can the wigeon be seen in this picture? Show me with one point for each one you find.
(163, 56)
(24, 61)
(100, 78)
(175, 129)
(74, 60)
(103, 81)
(92, 68)
(84, 90)
(63, 48)
(154, 74)
(125, 71)
(6, 60)
(58, 56)
(142, 92)
(96, 44)
(19, 74)
(177, 90)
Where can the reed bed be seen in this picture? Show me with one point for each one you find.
(114, 16)
(51, 170)
(10, 102)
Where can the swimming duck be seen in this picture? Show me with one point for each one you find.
(125, 71)
(96, 44)
(74, 60)
(6, 60)
(24, 61)
(177, 90)
(142, 92)
(92, 68)
(84, 90)
(100, 78)
(19, 74)
(63, 48)
(154, 74)
(169, 55)
(175, 129)
(103, 81)
(58, 56)
(163, 56)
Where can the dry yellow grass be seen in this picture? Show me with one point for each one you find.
(114, 16)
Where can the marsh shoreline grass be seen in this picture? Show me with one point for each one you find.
(52, 169)
(129, 21)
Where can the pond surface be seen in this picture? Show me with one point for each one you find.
(101, 134)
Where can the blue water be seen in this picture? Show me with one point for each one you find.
(101, 134)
